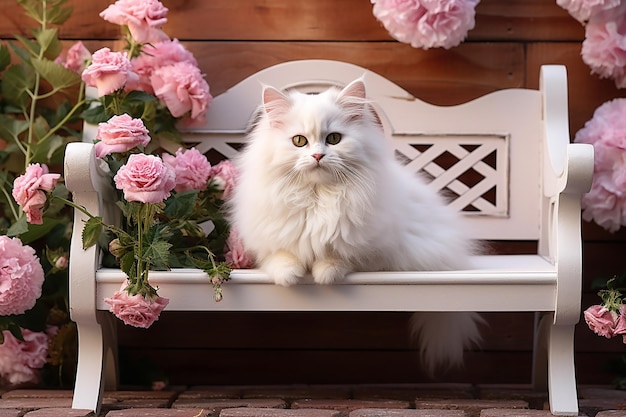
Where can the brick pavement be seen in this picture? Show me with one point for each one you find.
(414, 400)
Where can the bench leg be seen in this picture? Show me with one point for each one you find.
(96, 344)
(561, 372)
(543, 322)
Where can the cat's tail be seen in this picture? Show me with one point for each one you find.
(442, 338)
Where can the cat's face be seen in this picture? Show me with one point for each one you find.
(320, 138)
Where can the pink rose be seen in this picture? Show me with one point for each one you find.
(29, 191)
(120, 134)
(427, 23)
(600, 320)
(76, 59)
(182, 88)
(21, 276)
(620, 325)
(581, 10)
(144, 18)
(159, 55)
(191, 167)
(20, 361)
(605, 203)
(146, 179)
(109, 71)
(135, 310)
(225, 175)
(604, 47)
(235, 253)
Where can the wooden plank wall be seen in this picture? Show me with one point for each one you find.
(234, 38)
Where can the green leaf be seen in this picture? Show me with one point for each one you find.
(92, 231)
(57, 75)
(19, 227)
(11, 128)
(95, 115)
(57, 15)
(180, 205)
(128, 265)
(49, 42)
(5, 57)
(31, 48)
(16, 84)
(158, 253)
(35, 232)
(32, 8)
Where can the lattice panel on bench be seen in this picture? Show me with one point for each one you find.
(470, 170)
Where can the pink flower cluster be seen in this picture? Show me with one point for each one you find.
(30, 191)
(21, 276)
(605, 203)
(20, 361)
(163, 67)
(191, 167)
(136, 310)
(606, 323)
(604, 47)
(76, 58)
(427, 23)
(146, 179)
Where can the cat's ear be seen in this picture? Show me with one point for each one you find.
(353, 99)
(275, 104)
(354, 90)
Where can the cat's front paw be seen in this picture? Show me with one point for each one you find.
(284, 268)
(327, 271)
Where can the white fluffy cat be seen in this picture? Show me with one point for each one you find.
(320, 191)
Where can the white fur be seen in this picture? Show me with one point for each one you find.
(357, 209)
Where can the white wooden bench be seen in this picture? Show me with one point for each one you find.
(526, 181)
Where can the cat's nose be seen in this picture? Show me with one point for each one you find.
(318, 156)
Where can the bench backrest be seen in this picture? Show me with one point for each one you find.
(486, 155)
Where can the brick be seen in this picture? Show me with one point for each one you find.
(349, 405)
(140, 395)
(30, 404)
(206, 391)
(501, 412)
(471, 407)
(524, 392)
(37, 393)
(406, 413)
(598, 392)
(612, 413)
(273, 412)
(58, 412)
(409, 392)
(294, 392)
(218, 404)
(11, 413)
(159, 412)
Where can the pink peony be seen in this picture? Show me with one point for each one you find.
(605, 203)
(225, 175)
(159, 55)
(581, 10)
(21, 276)
(120, 134)
(191, 167)
(29, 191)
(76, 59)
(604, 47)
(146, 179)
(235, 253)
(182, 88)
(600, 320)
(20, 361)
(109, 71)
(427, 23)
(135, 310)
(144, 18)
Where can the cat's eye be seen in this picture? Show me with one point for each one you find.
(299, 141)
(333, 138)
